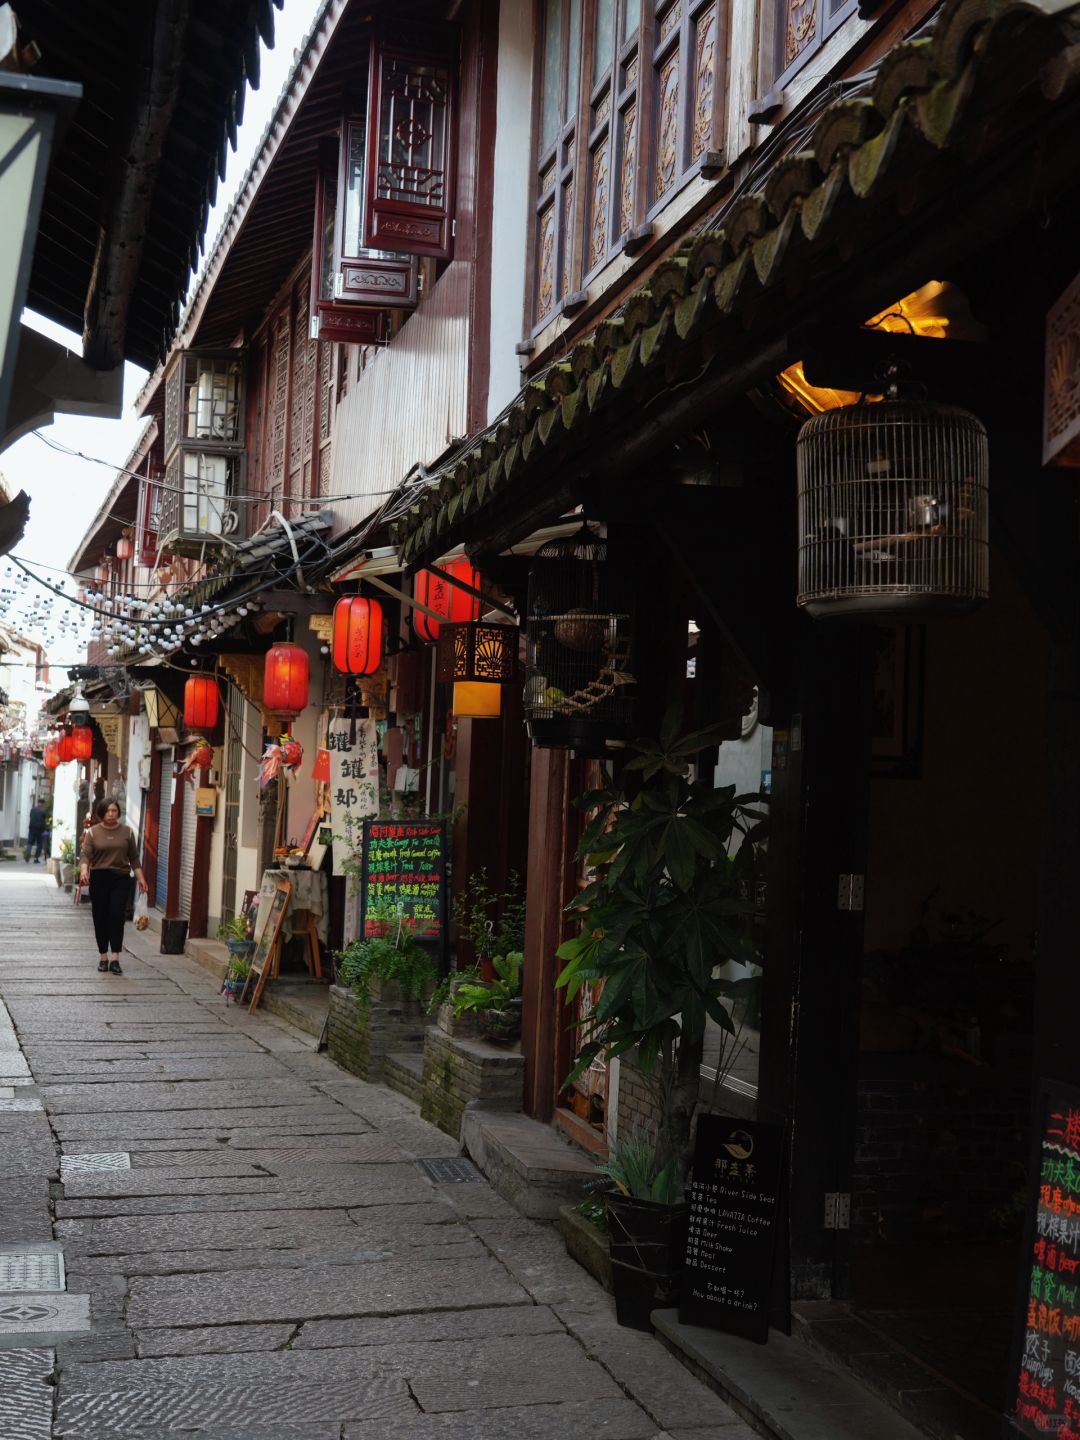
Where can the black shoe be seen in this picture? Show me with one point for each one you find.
(114, 968)
(103, 967)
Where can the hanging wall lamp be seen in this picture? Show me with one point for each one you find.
(477, 658)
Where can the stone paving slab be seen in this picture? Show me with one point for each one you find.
(102, 1097)
(312, 1119)
(344, 1181)
(215, 1340)
(24, 1208)
(584, 1420)
(388, 1287)
(26, 1394)
(455, 1325)
(251, 1195)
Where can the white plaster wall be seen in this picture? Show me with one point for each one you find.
(510, 228)
(65, 804)
(247, 850)
(138, 747)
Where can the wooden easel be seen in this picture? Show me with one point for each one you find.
(267, 955)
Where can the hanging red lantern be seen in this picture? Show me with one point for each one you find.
(454, 605)
(358, 628)
(82, 743)
(321, 769)
(51, 756)
(65, 750)
(285, 679)
(123, 548)
(201, 702)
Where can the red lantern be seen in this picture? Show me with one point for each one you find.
(82, 743)
(51, 757)
(65, 749)
(358, 625)
(285, 679)
(201, 702)
(123, 548)
(447, 600)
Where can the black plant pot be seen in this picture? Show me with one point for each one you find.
(648, 1248)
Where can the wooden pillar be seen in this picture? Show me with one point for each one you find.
(544, 927)
(200, 880)
(153, 817)
(176, 842)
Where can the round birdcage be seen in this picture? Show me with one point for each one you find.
(580, 686)
(893, 522)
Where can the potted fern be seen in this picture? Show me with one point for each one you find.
(675, 865)
(496, 1003)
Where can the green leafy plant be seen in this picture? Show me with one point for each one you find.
(393, 957)
(676, 865)
(636, 1168)
(594, 1210)
(495, 994)
(239, 967)
(491, 921)
(67, 852)
(235, 929)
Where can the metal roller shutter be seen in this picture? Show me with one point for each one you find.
(187, 848)
(164, 826)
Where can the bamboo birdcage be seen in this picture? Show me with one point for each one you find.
(579, 692)
(893, 521)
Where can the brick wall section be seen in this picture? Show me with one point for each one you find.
(934, 1159)
(458, 1070)
(361, 1045)
(637, 1104)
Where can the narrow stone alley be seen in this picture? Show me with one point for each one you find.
(208, 1229)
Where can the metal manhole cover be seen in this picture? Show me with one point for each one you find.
(32, 1271)
(106, 1160)
(450, 1171)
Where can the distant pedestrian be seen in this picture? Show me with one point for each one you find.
(108, 854)
(36, 830)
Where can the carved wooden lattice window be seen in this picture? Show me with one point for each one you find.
(629, 105)
(801, 28)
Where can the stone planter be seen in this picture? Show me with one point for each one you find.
(360, 1043)
(460, 1070)
(67, 877)
(586, 1243)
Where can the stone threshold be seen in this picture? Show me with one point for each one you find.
(526, 1161)
(785, 1390)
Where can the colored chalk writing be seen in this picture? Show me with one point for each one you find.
(404, 867)
(1045, 1394)
(731, 1232)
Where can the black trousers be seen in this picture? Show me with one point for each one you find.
(109, 890)
(35, 841)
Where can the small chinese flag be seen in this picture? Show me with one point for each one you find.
(321, 768)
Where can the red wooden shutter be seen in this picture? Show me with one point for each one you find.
(412, 141)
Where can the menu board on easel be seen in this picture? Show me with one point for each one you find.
(1044, 1375)
(266, 943)
(731, 1235)
(404, 869)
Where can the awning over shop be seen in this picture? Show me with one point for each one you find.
(943, 139)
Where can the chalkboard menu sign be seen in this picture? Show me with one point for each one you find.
(1044, 1376)
(731, 1238)
(404, 869)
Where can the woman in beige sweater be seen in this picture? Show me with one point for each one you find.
(108, 854)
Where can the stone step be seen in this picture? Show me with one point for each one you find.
(302, 1003)
(527, 1162)
(783, 1389)
(403, 1071)
(460, 1070)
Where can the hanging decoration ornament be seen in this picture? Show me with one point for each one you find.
(285, 679)
(358, 636)
(320, 771)
(271, 763)
(201, 702)
(200, 758)
(292, 752)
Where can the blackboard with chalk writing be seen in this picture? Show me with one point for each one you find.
(404, 871)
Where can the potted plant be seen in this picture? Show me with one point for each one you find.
(67, 862)
(393, 957)
(236, 976)
(675, 865)
(491, 921)
(495, 1002)
(237, 936)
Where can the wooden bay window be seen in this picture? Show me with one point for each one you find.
(641, 83)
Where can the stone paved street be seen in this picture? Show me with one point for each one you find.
(259, 1253)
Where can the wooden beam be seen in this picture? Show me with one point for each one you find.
(126, 221)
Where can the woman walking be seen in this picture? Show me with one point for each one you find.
(108, 853)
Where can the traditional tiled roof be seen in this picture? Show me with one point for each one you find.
(932, 93)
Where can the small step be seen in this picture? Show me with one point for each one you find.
(526, 1162)
(403, 1071)
(304, 1004)
(783, 1389)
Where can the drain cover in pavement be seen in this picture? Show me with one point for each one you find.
(45, 1314)
(31, 1271)
(106, 1160)
(450, 1171)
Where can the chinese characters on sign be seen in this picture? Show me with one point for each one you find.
(1046, 1370)
(354, 781)
(405, 867)
(732, 1226)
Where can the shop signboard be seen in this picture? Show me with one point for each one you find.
(404, 872)
(354, 782)
(1044, 1372)
(731, 1236)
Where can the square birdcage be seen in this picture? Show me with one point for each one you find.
(580, 686)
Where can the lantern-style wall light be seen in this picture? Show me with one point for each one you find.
(201, 702)
(456, 606)
(477, 658)
(358, 636)
(51, 757)
(285, 679)
(82, 743)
